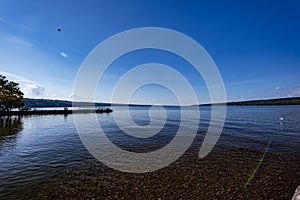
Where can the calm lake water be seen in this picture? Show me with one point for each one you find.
(43, 157)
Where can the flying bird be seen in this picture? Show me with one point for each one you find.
(58, 29)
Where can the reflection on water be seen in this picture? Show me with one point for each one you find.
(43, 157)
(10, 125)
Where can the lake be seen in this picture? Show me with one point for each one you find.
(256, 157)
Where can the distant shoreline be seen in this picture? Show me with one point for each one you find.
(39, 103)
(264, 102)
(54, 112)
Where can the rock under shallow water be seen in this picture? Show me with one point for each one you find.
(217, 176)
(297, 194)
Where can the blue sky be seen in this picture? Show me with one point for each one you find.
(255, 45)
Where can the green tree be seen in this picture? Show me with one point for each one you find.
(10, 94)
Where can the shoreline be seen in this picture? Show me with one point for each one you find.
(54, 112)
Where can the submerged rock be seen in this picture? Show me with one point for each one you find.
(297, 194)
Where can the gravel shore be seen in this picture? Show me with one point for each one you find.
(223, 174)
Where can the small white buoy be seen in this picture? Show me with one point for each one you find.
(280, 118)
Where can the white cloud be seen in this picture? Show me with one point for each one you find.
(14, 39)
(73, 97)
(34, 90)
(277, 88)
(28, 87)
(79, 98)
(63, 54)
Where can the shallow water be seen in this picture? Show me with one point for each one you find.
(43, 157)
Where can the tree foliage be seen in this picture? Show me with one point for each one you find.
(10, 94)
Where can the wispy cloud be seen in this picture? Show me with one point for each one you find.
(2, 20)
(15, 77)
(63, 54)
(238, 84)
(16, 40)
(290, 90)
(23, 27)
(295, 91)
